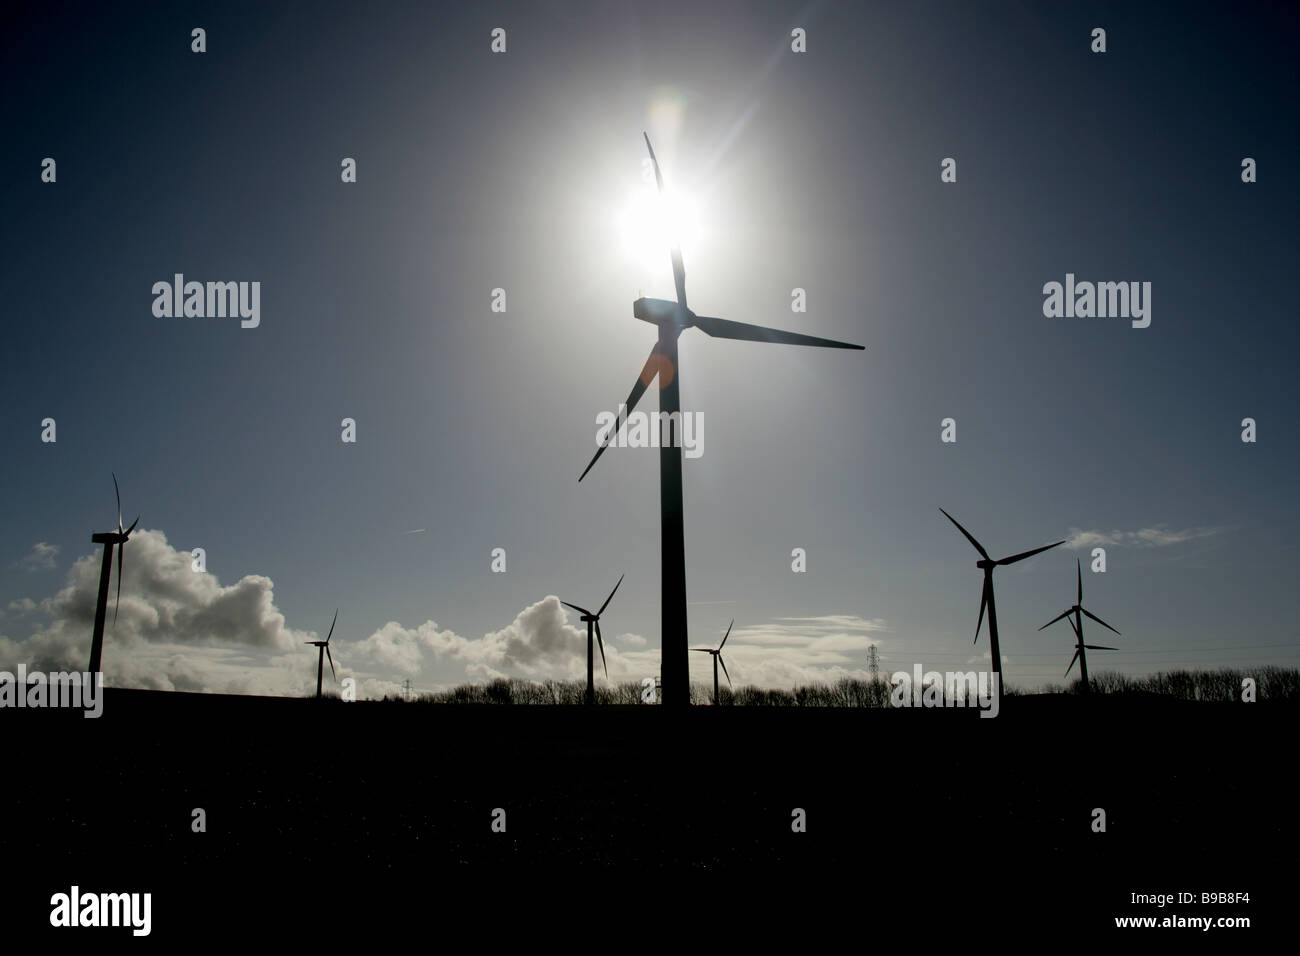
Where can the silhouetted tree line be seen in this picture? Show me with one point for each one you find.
(1271, 683)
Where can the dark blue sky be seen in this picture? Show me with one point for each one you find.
(817, 170)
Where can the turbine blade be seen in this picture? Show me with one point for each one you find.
(726, 329)
(1100, 647)
(1074, 627)
(679, 270)
(679, 276)
(1028, 554)
(724, 669)
(658, 176)
(333, 673)
(601, 642)
(648, 373)
(702, 650)
(611, 596)
(1065, 613)
(727, 635)
(117, 494)
(332, 623)
(1098, 620)
(121, 550)
(128, 531)
(984, 600)
(576, 608)
(1078, 566)
(1072, 660)
(969, 537)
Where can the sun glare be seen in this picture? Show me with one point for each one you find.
(650, 225)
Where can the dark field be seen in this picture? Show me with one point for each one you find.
(936, 818)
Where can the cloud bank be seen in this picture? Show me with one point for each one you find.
(178, 629)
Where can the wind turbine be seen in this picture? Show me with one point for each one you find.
(672, 318)
(594, 620)
(1074, 615)
(108, 539)
(324, 650)
(987, 564)
(717, 659)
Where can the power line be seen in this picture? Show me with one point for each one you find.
(1229, 652)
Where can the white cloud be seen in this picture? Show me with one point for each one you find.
(173, 626)
(41, 557)
(397, 648)
(182, 630)
(538, 644)
(788, 651)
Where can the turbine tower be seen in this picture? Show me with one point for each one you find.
(672, 318)
(717, 659)
(987, 564)
(594, 620)
(108, 539)
(1074, 614)
(324, 650)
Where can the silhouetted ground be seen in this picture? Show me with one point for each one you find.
(928, 821)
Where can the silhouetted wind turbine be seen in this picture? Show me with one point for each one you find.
(594, 620)
(987, 564)
(1074, 615)
(672, 318)
(324, 650)
(108, 539)
(717, 659)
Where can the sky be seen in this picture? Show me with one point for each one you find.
(523, 171)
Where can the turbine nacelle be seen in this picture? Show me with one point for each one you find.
(324, 652)
(663, 312)
(717, 659)
(987, 564)
(1075, 614)
(109, 537)
(592, 620)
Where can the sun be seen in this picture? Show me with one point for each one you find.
(649, 225)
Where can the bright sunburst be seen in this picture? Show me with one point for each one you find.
(649, 225)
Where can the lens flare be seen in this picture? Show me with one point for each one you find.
(650, 225)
